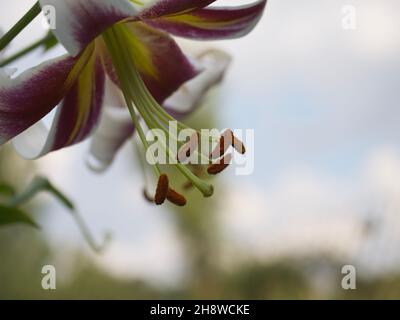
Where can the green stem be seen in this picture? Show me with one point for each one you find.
(98, 248)
(26, 50)
(20, 25)
(40, 184)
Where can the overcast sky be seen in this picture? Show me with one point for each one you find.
(323, 101)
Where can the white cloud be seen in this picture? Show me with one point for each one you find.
(161, 263)
(379, 32)
(301, 213)
(306, 211)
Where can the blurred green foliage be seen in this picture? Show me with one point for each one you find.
(11, 175)
(24, 251)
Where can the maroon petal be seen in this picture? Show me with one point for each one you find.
(213, 23)
(27, 98)
(173, 7)
(79, 22)
(77, 115)
(160, 61)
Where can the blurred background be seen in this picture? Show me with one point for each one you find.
(323, 101)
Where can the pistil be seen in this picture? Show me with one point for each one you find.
(138, 99)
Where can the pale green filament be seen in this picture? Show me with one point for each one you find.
(113, 49)
(138, 97)
(149, 102)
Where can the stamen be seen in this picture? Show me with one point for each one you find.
(162, 189)
(139, 99)
(186, 150)
(221, 165)
(226, 140)
(176, 198)
(238, 145)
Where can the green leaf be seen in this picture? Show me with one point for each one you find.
(40, 184)
(49, 42)
(7, 190)
(11, 215)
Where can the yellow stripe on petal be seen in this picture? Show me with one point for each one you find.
(139, 3)
(136, 46)
(79, 66)
(201, 22)
(85, 83)
(213, 23)
(154, 54)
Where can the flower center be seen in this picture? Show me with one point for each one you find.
(147, 114)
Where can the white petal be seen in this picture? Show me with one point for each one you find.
(114, 130)
(189, 95)
(33, 142)
(77, 22)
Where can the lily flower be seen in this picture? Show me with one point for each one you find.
(123, 42)
(115, 126)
